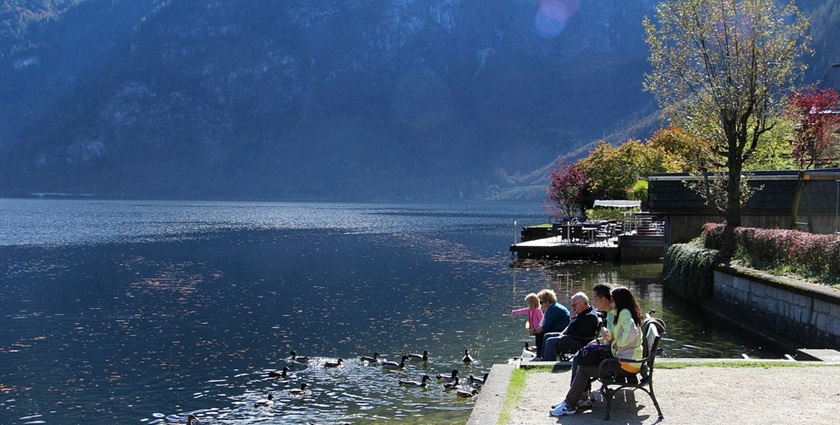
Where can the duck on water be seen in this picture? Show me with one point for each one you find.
(395, 365)
(451, 378)
(421, 383)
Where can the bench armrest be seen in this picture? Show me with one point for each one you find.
(610, 369)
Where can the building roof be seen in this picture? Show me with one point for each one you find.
(775, 193)
(831, 78)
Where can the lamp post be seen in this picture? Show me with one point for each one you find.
(837, 208)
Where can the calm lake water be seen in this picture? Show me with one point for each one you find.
(144, 312)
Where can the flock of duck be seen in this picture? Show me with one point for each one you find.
(464, 388)
(452, 381)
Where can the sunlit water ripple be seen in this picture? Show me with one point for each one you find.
(144, 312)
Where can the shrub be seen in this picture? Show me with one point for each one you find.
(712, 235)
(833, 252)
(607, 213)
(688, 270)
(639, 191)
(812, 256)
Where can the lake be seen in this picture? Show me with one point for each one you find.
(143, 312)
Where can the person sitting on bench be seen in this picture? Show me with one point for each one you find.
(625, 341)
(556, 317)
(581, 330)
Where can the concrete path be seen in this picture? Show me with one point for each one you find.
(692, 395)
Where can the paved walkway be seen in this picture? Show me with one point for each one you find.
(692, 395)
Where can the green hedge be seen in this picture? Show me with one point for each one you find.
(810, 256)
(608, 213)
(688, 270)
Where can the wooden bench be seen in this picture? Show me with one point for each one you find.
(612, 381)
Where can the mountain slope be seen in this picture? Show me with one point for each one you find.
(313, 99)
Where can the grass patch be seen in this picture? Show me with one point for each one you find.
(516, 388)
(540, 226)
(514, 393)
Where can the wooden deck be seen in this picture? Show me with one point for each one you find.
(625, 248)
(557, 247)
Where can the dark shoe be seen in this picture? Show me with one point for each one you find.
(584, 405)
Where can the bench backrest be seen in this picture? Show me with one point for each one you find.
(649, 347)
(659, 327)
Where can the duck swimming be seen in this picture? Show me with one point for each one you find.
(478, 382)
(415, 383)
(335, 363)
(374, 359)
(451, 378)
(467, 357)
(452, 385)
(296, 358)
(298, 392)
(282, 375)
(395, 365)
(467, 394)
(265, 402)
(422, 357)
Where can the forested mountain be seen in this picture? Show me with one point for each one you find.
(318, 99)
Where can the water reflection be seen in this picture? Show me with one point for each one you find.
(691, 331)
(158, 327)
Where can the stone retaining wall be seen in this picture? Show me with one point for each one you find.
(804, 313)
(637, 249)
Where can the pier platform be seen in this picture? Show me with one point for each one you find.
(559, 248)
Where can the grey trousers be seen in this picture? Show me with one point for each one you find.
(556, 343)
(580, 382)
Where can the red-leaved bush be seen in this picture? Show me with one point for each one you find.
(834, 258)
(812, 254)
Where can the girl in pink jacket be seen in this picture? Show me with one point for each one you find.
(535, 315)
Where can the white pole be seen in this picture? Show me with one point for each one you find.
(514, 231)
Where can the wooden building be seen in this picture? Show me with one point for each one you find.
(803, 200)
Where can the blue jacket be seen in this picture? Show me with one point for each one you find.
(556, 318)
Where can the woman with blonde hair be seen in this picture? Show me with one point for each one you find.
(555, 318)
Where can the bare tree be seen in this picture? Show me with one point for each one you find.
(721, 71)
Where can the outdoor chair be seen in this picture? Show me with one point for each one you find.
(605, 232)
(576, 233)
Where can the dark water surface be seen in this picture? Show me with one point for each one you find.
(143, 312)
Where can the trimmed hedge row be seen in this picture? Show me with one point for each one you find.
(814, 256)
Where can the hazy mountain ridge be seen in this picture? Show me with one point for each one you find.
(317, 99)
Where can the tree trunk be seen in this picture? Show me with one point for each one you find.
(733, 208)
(733, 195)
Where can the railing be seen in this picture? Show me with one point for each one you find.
(644, 224)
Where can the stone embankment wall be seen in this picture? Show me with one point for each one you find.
(781, 308)
(637, 248)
